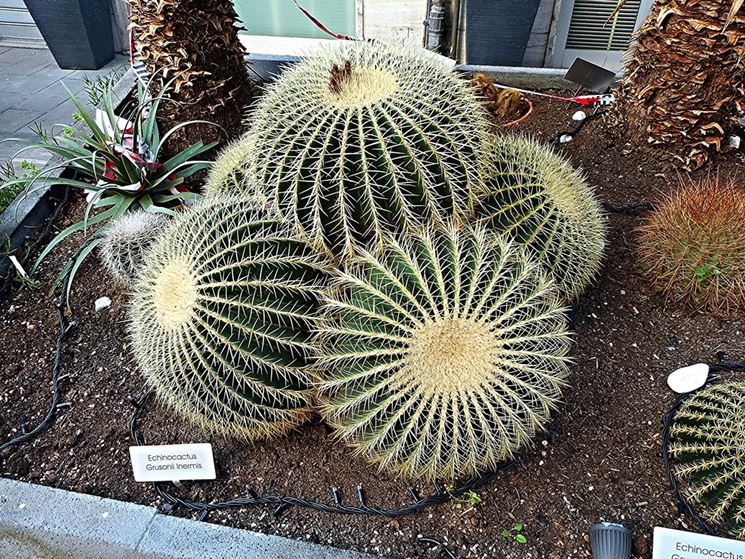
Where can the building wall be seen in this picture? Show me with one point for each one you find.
(400, 20)
(542, 38)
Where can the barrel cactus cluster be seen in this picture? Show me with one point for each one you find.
(371, 252)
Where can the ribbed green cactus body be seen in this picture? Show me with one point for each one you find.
(444, 354)
(537, 198)
(363, 138)
(708, 450)
(228, 172)
(222, 317)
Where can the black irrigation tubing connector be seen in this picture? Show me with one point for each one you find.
(683, 505)
(628, 209)
(439, 546)
(283, 502)
(576, 128)
(65, 325)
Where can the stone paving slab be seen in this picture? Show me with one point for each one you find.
(39, 522)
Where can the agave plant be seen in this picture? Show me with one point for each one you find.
(364, 138)
(125, 241)
(444, 353)
(222, 316)
(118, 162)
(537, 198)
(707, 440)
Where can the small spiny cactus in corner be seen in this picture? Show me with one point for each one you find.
(125, 242)
(693, 244)
(536, 197)
(364, 138)
(707, 441)
(222, 319)
(443, 354)
(229, 170)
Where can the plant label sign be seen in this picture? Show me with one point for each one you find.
(175, 462)
(674, 544)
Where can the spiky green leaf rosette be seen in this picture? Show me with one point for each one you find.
(708, 448)
(536, 197)
(364, 138)
(222, 317)
(443, 355)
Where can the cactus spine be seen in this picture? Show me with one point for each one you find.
(444, 354)
(707, 444)
(222, 317)
(537, 198)
(125, 241)
(364, 138)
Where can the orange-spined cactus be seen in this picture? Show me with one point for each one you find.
(693, 244)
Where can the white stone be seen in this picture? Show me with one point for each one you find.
(565, 139)
(734, 141)
(688, 379)
(579, 116)
(102, 303)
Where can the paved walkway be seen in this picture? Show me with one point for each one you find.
(31, 91)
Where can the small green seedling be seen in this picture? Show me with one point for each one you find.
(515, 533)
(470, 498)
(706, 272)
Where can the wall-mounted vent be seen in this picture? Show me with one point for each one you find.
(590, 29)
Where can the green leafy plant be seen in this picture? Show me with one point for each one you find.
(444, 352)
(125, 241)
(222, 319)
(117, 163)
(469, 498)
(365, 138)
(14, 182)
(537, 198)
(707, 439)
(515, 533)
(692, 245)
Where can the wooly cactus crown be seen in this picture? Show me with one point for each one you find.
(364, 138)
(221, 319)
(444, 354)
(536, 197)
(228, 171)
(125, 241)
(707, 442)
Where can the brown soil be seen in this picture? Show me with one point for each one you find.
(599, 460)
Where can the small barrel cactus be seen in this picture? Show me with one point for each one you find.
(537, 198)
(444, 354)
(228, 172)
(364, 138)
(222, 319)
(693, 245)
(707, 446)
(125, 241)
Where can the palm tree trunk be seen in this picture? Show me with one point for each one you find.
(195, 43)
(684, 79)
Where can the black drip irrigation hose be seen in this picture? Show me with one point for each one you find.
(683, 505)
(574, 129)
(442, 495)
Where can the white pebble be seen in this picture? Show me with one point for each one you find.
(734, 141)
(102, 303)
(565, 139)
(579, 116)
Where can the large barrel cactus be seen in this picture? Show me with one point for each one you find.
(222, 317)
(364, 138)
(228, 172)
(707, 441)
(536, 197)
(444, 354)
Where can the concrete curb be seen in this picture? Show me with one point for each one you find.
(39, 522)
